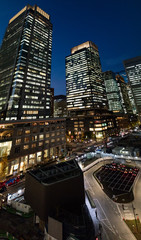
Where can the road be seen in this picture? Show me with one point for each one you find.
(14, 188)
(108, 212)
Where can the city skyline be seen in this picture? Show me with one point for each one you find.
(114, 28)
(64, 159)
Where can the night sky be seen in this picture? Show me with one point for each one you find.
(113, 25)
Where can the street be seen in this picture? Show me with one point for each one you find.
(111, 214)
(107, 213)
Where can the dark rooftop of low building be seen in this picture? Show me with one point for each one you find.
(131, 140)
(60, 97)
(51, 174)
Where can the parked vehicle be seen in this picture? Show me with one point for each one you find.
(9, 182)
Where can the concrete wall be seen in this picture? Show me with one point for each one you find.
(21, 207)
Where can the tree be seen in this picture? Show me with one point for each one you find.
(4, 163)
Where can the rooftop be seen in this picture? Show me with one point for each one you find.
(24, 121)
(35, 7)
(84, 45)
(132, 61)
(51, 174)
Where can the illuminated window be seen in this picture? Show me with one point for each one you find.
(41, 136)
(26, 147)
(27, 131)
(40, 143)
(18, 141)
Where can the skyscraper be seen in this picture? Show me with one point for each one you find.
(25, 66)
(88, 115)
(122, 85)
(84, 83)
(133, 70)
(113, 93)
(117, 94)
(131, 98)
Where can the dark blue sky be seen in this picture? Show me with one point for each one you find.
(113, 25)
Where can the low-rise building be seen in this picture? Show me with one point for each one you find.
(26, 143)
(56, 194)
(95, 124)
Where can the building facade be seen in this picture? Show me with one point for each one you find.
(84, 83)
(125, 101)
(60, 106)
(90, 124)
(112, 91)
(133, 70)
(117, 93)
(25, 66)
(25, 143)
(56, 194)
(131, 98)
(51, 102)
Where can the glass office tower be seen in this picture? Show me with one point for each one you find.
(133, 70)
(25, 66)
(131, 98)
(117, 94)
(112, 90)
(126, 104)
(84, 82)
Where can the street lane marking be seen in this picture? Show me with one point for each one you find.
(106, 219)
(120, 214)
(109, 227)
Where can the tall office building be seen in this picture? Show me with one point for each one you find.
(112, 90)
(133, 70)
(131, 98)
(117, 94)
(51, 102)
(125, 101)
(60, 106)
(84, 83)
(88, 115)
(25, 66)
